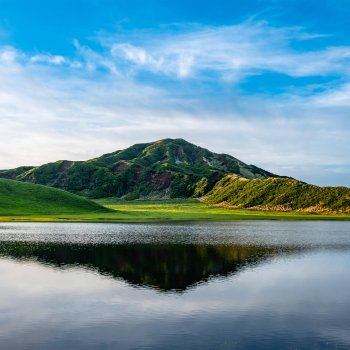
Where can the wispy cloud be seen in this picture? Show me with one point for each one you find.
(335, 98)
(8, 55)
(230, 51)
(48, 58)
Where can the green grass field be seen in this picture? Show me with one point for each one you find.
(27, 202)
(169, 210)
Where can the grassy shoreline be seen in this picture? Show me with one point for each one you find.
(168, 211)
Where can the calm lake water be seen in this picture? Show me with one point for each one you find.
(230, 285)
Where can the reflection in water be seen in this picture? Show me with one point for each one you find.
(85, 286)
(162, 266)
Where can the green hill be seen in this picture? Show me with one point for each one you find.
(18, 198)
(29, 202)
(169, 168)
(278, 194)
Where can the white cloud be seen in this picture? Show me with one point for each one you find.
(48, 58)
(338, 97)
(132, 53)
(8, 55)
(242, 49)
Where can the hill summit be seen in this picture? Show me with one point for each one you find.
(168, 168)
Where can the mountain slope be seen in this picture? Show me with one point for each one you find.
(167, 168)
(278, 194)
(18, 198)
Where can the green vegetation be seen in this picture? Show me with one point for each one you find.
(24, 199)
(28, 202)
(192, 209)
(279, 194)
(170, 168)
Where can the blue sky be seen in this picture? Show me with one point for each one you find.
(266, 81)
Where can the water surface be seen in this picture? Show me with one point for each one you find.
(230, 285)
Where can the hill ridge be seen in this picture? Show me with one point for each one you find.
(167, 168)
(278, 194)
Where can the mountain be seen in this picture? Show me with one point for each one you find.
(169, 168)
(18, 198)
(282, 194)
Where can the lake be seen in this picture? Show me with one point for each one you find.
(203, 285)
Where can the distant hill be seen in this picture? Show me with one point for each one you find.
(278, 194)
(169, 168)
(18, 198)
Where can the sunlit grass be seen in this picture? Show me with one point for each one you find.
(195, 210)
(168, 210)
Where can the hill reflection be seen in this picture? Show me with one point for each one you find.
(166, 267)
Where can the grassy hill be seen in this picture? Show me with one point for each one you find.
(169, 168)
(165, 169)
(280, 194)
(18, 198)
(29, 202)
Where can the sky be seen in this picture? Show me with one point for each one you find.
(266, 81)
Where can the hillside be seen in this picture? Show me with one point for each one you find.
(169, 168)
(18, 198)
(278, 194)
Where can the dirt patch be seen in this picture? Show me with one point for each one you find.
(138, 171)
(120, 167)
(65, 165)
(161, 180)
(179, 153)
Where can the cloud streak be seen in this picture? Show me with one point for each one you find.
(230, 51)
